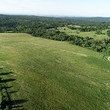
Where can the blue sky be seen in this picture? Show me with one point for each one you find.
(56, 7)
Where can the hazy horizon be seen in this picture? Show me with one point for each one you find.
(68, 8)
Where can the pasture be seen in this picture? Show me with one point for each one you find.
(91, 34)
(52, 75)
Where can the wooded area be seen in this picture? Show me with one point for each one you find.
(47, 27)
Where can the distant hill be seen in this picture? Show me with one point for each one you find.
(85, 19)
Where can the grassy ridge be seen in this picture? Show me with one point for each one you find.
(52, 75)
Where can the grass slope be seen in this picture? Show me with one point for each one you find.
(53, 75)
(91, 34)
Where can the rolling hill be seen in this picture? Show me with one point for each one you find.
(41, 74)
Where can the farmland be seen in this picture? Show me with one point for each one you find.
(42, 74)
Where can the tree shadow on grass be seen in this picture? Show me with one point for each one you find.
(5, 73)
(13, 104)
(17, 104)
(7, 80)
(6, 101)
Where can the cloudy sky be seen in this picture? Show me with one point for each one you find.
(56, 7)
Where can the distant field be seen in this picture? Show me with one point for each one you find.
(53, 75)
(91, 34)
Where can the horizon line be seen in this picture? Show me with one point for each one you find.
(46, 15)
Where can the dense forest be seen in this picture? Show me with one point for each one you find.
(47, 27)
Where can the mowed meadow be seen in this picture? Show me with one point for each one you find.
(53, 75)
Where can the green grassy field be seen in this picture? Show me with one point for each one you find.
(42, 74)
(91, 34)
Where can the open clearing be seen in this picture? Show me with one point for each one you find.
(53, 75)
(91, 34)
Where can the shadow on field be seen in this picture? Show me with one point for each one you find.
(17, 104)
(5, 89)
(6, 73)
